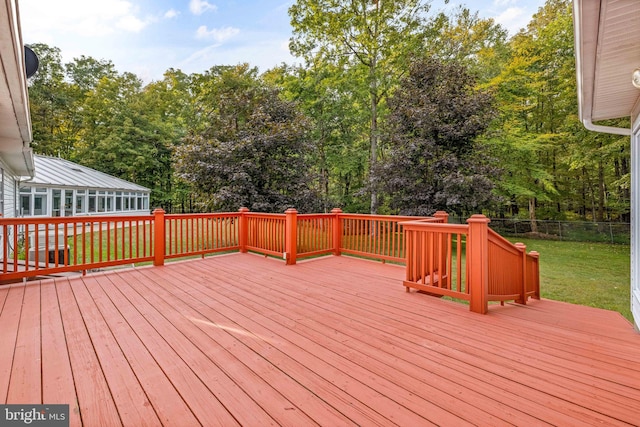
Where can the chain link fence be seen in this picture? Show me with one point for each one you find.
(579, 231)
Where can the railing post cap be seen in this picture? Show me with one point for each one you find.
(158, 210)
(243, 209)
(520, 245)
(291, 210)
(336, 210)
(479, 218)
(534, 254)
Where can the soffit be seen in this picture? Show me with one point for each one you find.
(607, 51)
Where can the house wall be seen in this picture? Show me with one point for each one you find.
(8, 196)
(8, 186)
(635, 218)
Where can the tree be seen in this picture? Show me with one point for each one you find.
(85, 72)
(57, 93)
(168, 105)
(379, 36)
(434, 162)
(123, 137)
(327, 99)
(479, 44)
(253, 153)
(49, 102)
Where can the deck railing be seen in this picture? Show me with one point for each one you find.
(314, 235)
(265, 233)
(377, 236)
(436, 258)
(39, 246)
(466, 261)
(469, 262)
(199, 234)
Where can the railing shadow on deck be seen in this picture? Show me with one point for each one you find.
(468, 261)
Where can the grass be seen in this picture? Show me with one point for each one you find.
(591, 274)
(132, 242)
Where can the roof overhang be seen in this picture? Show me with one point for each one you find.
(607, 44)
(15, 121)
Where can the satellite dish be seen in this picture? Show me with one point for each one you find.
(31, 61)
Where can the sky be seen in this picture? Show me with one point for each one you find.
(147, 37)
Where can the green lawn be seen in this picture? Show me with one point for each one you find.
(592, 274)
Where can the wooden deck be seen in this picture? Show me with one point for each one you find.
(243, 340)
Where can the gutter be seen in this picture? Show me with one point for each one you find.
(588, 124)
(27, 154)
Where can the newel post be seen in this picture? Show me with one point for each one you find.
(523, 286)
(442, 215)
(243, 231)
(291, 236)
(159, 244)
(337, 231)
(478, 262)
(536, 274)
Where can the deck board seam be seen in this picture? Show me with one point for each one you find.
(171, 344)
(14, 341)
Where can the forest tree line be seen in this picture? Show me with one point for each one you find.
(396, 109)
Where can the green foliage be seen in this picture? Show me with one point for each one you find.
(49, 103)
(434, 162)
(479, 44)
(254, 151)
(329, 100)
(554, 165)
(373, 41)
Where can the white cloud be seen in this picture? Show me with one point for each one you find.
(264, 51)
(80, 17)
(502, 3)
(219, 35)
(171, 13)
(513, 19)
(106, 30)
(131, 23)
(198, 7)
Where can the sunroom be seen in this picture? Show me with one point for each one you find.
(61, 188)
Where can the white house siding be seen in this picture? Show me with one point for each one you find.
(9, 191)
(10, 200)
(8, 197)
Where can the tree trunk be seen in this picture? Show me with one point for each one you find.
(601, 189)
(324, 172)
(373, 135)
(532, 215)
(626, 192)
